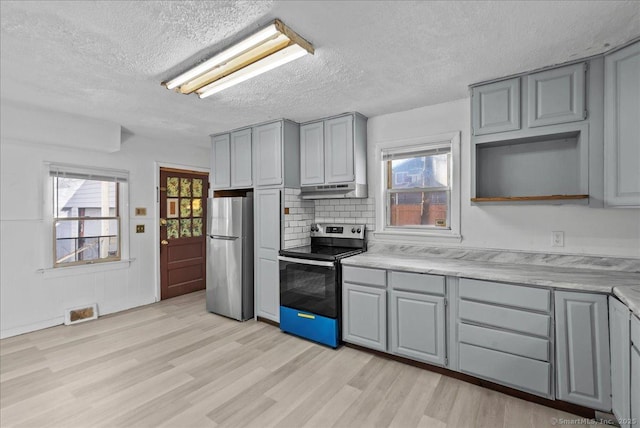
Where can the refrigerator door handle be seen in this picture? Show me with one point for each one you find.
(306, 262)
(226, 238)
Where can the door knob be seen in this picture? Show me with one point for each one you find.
(164, 242)
(163, 222)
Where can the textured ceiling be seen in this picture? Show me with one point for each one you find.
(106, 59)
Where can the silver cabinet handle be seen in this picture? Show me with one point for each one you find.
(306, 261)
(226, 238)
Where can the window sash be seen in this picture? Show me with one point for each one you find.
(109, 258)
(388, 224)
(415, 152)
(67, 171)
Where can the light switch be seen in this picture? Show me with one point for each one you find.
(141, 211)
(140, 228)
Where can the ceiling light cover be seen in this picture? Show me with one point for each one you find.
(265, 50)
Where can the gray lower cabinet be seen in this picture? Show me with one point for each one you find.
(635, 370)
(582, 349)
(635, 384)
(267, 214)
(505, 334)
(620, 335)
(364, 316)
(418, 326)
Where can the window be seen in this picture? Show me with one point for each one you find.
(419, 193)
(417, 190)
(86, 215)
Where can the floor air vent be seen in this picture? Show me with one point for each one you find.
(81, 314)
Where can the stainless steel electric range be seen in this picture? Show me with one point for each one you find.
(311, 279)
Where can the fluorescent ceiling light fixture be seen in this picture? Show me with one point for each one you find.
(265, 50)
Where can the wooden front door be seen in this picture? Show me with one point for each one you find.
(183, 221)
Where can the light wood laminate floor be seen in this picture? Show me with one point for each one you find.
(172, 364)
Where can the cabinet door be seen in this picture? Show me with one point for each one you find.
(267, 214)
(267, 142)
(312, 153)
(496, 107)
(622, 127)
(418, 326)
(338, 150)
(241, 158)
(364, 316)
(221, 162)
(582, 349)
(619, 329)
(556, 96)
(635, 384)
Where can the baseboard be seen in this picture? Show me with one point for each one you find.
(585, 412)
(10, 332)
(268, 321)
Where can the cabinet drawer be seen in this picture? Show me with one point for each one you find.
(358, 275)
(418, 282)
(635, 332)
(537, 299)
(518, 372)
(510, 319)
(512, 343)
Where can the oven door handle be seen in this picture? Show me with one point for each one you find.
(306, 262)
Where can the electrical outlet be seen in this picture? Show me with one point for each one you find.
(557, 239)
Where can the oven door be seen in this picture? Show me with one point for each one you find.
(309, 285)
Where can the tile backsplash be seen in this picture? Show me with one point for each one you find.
(346, 211)
(297, 223)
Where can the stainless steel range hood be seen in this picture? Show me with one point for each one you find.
(334, 191)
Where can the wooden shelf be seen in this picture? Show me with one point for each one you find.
(529, 198)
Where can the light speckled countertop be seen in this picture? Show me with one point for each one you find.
(595, 280)
(630, 296)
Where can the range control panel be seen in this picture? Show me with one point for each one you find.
(338, 230)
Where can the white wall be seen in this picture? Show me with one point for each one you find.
(612, 232)
(30, 299)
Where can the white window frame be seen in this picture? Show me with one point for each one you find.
(123, 207)
(418, 233)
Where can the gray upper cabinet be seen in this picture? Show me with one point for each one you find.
(241, 173)
(267, 143)
(333, 157)
(496, 107)
(582, 349)
(418, 326)
(619, 329)
(556, 96)
(338, 150)
(364, 320)
(622, 127)
(220, 162)
(312, 153)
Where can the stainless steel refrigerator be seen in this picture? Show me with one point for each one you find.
(230, 257)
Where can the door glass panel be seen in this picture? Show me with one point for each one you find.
(172, 186)
(196, 205)
(185, 207)
(197, 188)
(172, 229)
(185, 187)
(185, 228)
(197, 227)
